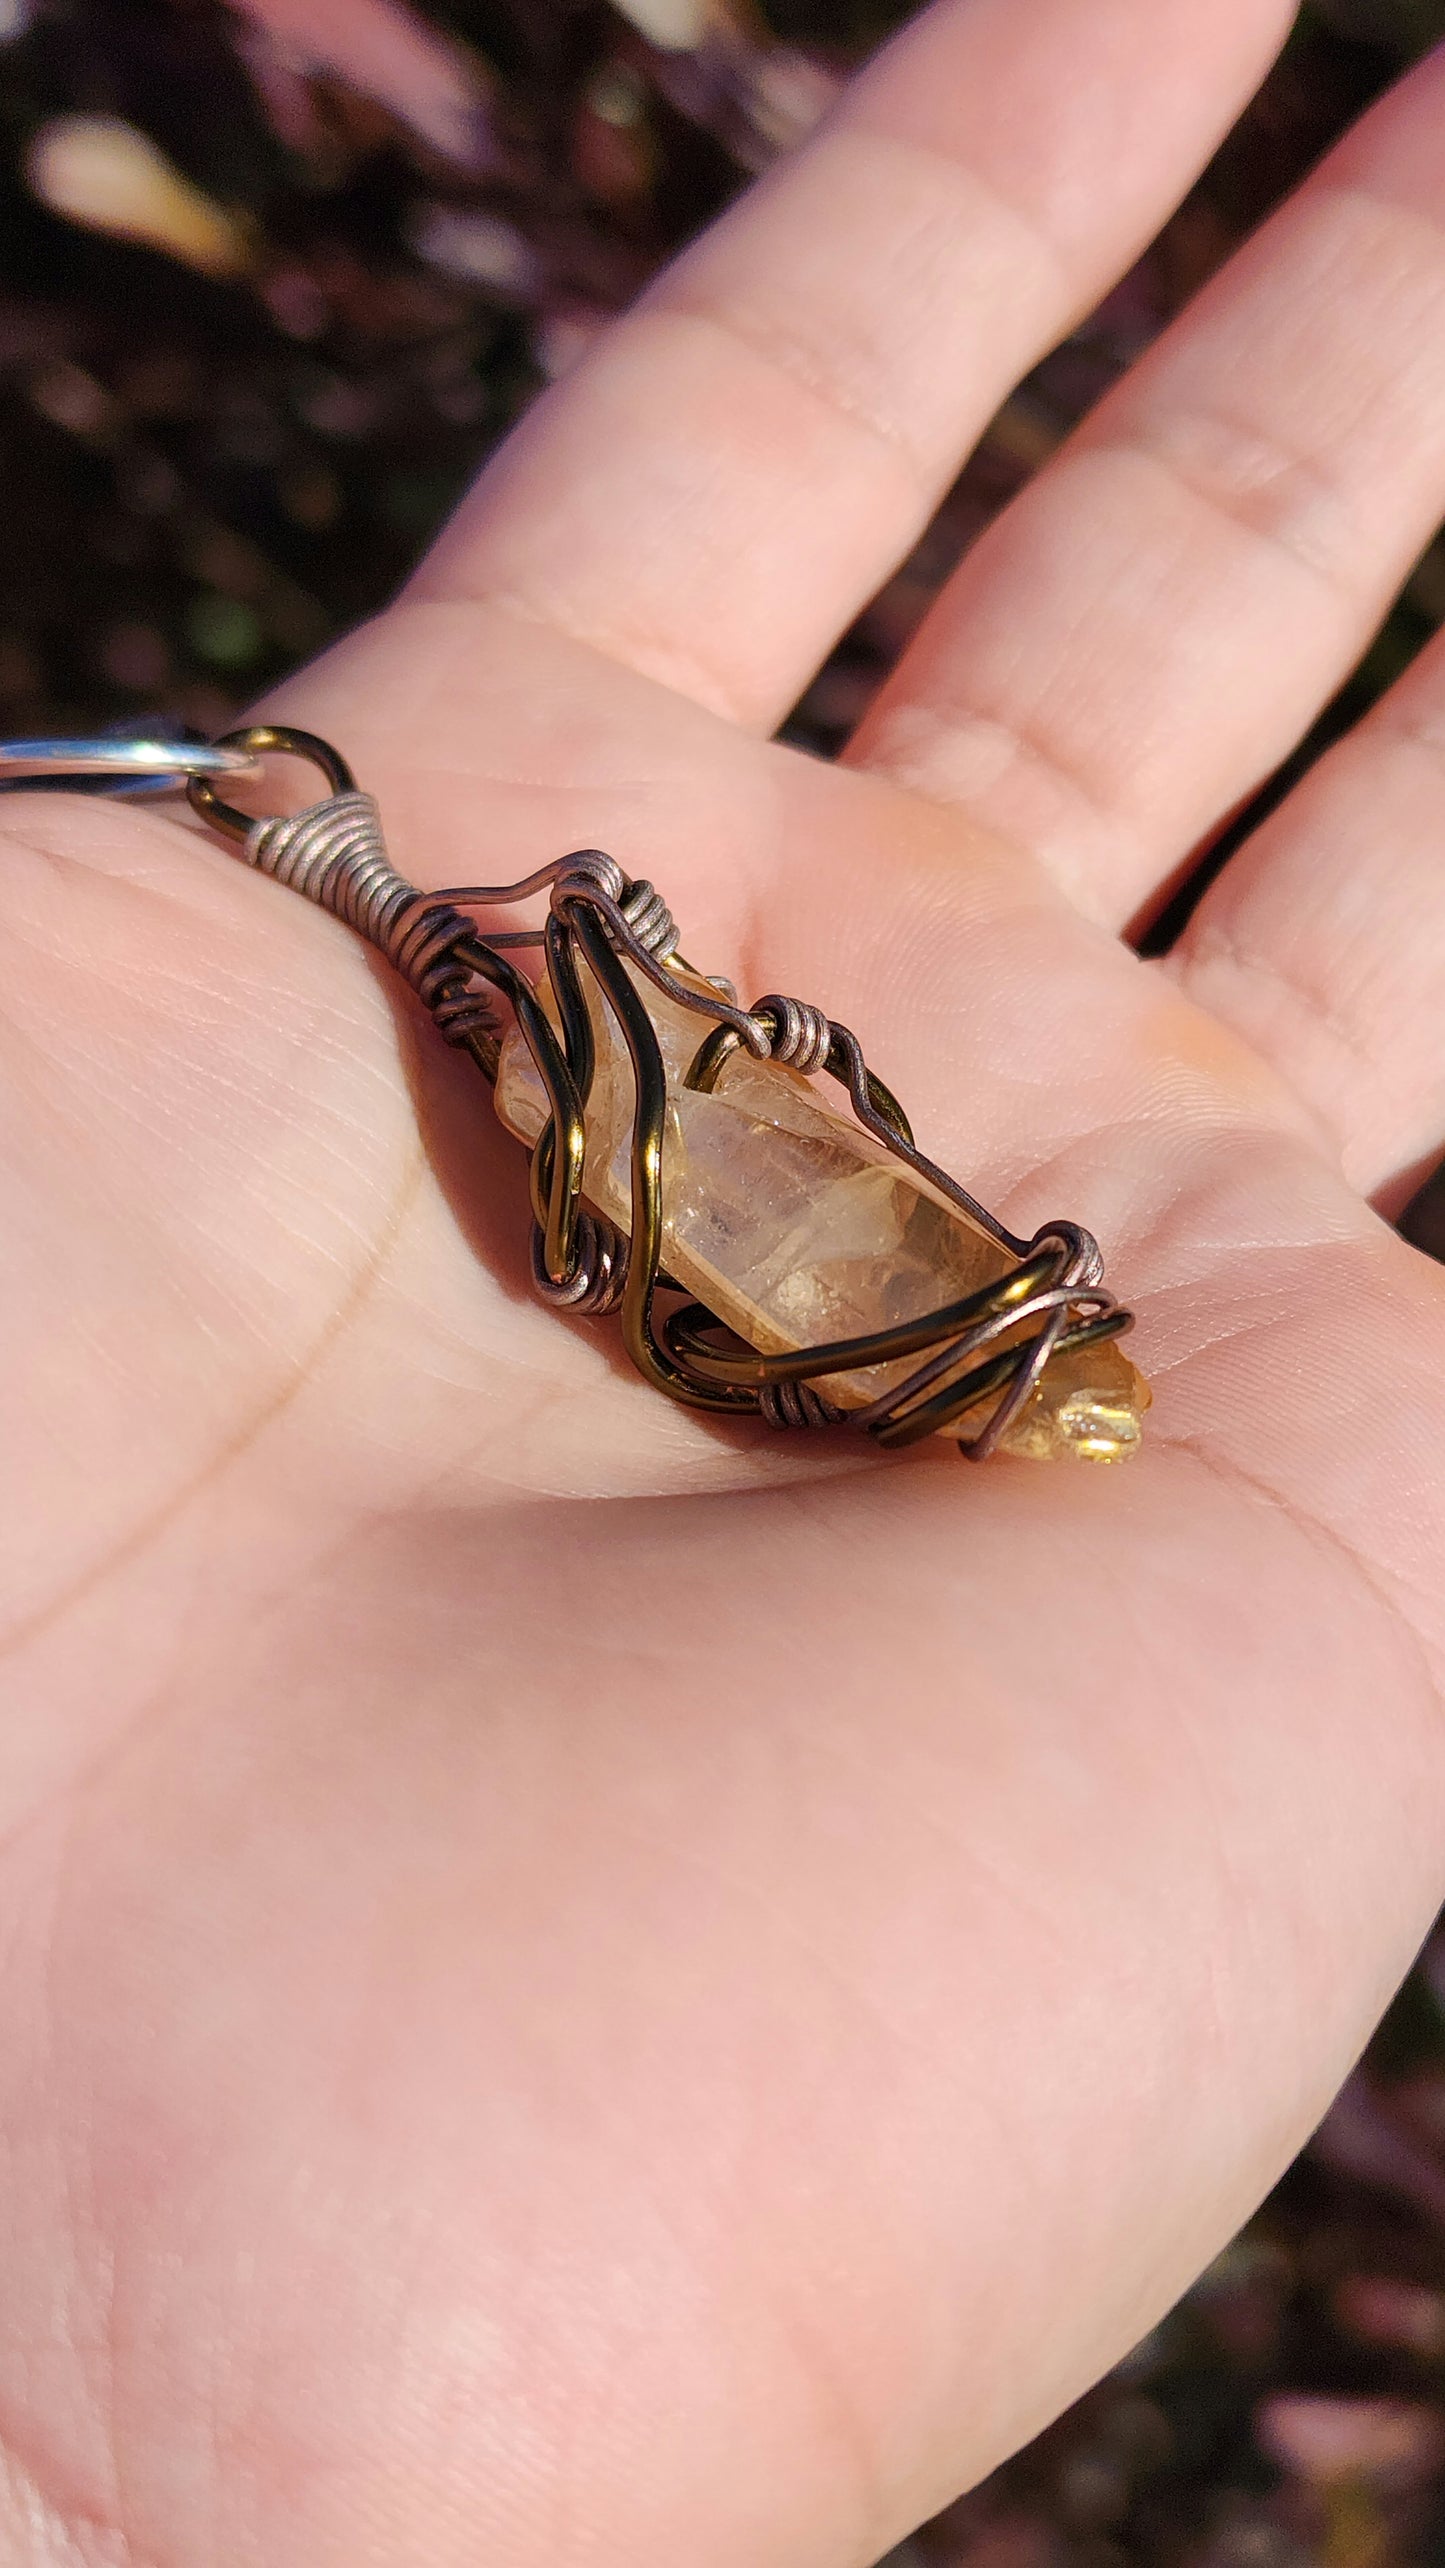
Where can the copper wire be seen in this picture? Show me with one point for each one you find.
(982, 1357)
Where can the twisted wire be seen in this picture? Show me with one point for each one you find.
(1046, 1313)
(802, 1035)
(993, 1347)
(988, 1351)
(797, 1404)
(575, 890)
(333, 853)
(650, 920)
(589, 873)
(599, 1268)
(590, 869)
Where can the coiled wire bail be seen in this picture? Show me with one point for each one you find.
(334, 854)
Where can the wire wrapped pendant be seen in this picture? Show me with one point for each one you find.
(765, 1252)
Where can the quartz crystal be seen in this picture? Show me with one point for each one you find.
(794, 1226)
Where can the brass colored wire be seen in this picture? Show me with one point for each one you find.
(982, 1357)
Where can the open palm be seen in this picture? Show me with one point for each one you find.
(581, 1986)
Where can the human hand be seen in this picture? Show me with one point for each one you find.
(582, 1988)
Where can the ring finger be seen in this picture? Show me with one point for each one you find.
(1324, 940)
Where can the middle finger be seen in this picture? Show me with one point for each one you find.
(1147, 632)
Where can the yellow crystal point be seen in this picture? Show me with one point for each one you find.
(795, 1227)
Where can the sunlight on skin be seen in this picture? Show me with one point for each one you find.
(577, 1987)
(1267, 471)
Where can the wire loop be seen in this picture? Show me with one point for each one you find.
(599, 1274)
(981, 1357)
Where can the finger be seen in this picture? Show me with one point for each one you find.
(1324, 940)
(732, 471)
(1146, 633)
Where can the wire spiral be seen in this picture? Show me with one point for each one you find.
(333, 853)
(797, 1404)
(644, 924)
(802, 1036)
(598, 1278)
(651, 921)
(983, 1356)
(1049, 1299)
(993, 1348)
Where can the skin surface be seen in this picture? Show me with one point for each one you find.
(578, 1988)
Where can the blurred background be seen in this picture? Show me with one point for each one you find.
(273, 279)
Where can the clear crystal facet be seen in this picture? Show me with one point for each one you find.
(795, 1227)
